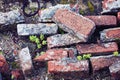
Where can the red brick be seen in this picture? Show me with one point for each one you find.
(102, 62)
(111, 34)
(118, 17)
(55, 54)
(4, 68)
(69, 69)
(73, 23)
(97, 49)
(62, 40)
(103, 20)
(115, 70)
(17, 74)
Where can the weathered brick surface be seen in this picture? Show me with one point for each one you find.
(97, 49)
(62, 40)
(17, 74)
(103, 20)
(69, 69)
(32, 29)
(55, 54)
(111, 34)
(76, 24)
(11, 17)
(102, 62)
(118, 17)
(4, 67)
(25, 61)
(115, 70)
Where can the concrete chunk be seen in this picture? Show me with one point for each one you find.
(62, 40)
(25, 61)
(11, 17)
(97, 49)
(111, 34)
(74, 23)
(32, 29)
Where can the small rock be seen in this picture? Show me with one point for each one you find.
(97, 49)
(115, 70)
(103, 20)
(62, 40)
(11, 17)
(33, 29)
(112, 34)
(25, 61)
(76, 24)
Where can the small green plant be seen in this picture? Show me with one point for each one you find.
(12, 77)
(61, 31)
(1, 52)
(84, 57)
(90, 6)
(81, 11)
(41, 53)
(38, 40)
(79, 58)
(116, 53)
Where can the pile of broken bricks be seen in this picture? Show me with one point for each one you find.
(63, 49)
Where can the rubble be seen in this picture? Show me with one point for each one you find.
(25, 61)
(103, 20)
(115, 70)
(112, 34)
(34, 29)
(97, 49)
(79, 69)
(62, 40)
(11, 17)
(74, 23)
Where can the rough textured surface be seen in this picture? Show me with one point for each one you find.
(102, 62)
(69, 68)
(25, 61)
(4, 67)
(111, 34)
(103, 20)
(73, 23)
(115, 70)
(118, 17)
(108, 5)
(54, 54)
(62, 40)
(11, 17)
(32, 29)
(97, 49)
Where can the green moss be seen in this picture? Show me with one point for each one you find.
(116, 53)
(90, 6)
(42, 37)
(44, 42)
(81, 12)
(79, 58)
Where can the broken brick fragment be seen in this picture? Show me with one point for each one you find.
(4, 67)
(103, 20)
(67, 69)
(71, 22)
(102, 62)
(55, 54)
(111, 34)
(17, 74)
(97, 49)
(62, 40)
(115, 70)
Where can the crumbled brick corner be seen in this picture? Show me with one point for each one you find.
(102, 62)
(69, 68)
(60, 40)
(103, 20)
(4, 67)
(56, 54)
(74, 23)
(97, 49)
(112, 34)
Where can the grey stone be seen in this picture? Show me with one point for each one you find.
(25, 61)
(62, 40)
(32, 29)
(11, 17)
